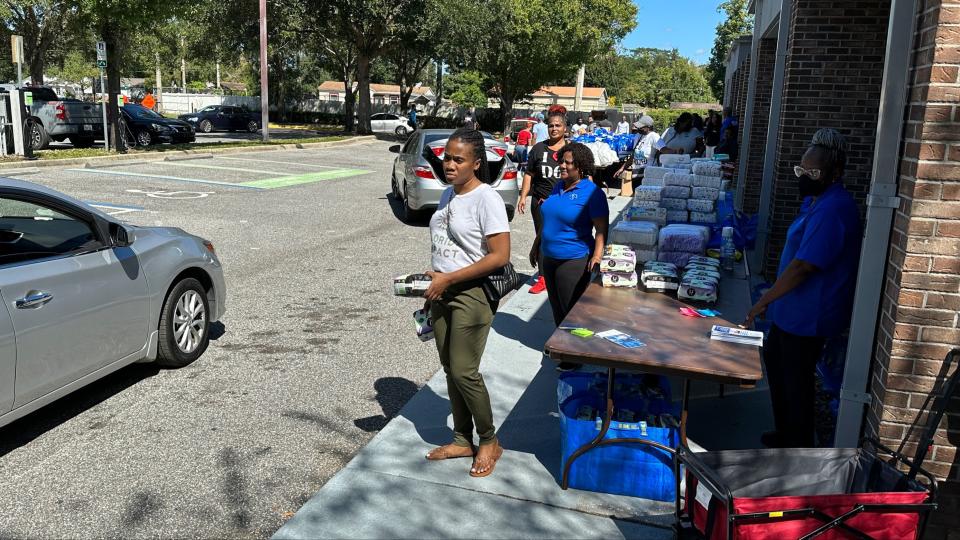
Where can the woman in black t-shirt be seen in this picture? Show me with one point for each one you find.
(543, 172)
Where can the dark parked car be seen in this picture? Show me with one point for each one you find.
(223, 118)
(147, 127)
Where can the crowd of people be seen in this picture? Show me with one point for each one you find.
(471, 240)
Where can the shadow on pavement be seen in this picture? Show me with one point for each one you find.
(392, 394)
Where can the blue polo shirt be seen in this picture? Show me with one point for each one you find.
(567, 231)
(826, 234)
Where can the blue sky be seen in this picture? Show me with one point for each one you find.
(686, 25)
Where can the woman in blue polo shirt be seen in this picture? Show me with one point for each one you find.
(567, 248)
(812, 299)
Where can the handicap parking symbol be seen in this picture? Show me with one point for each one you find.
(173, 194)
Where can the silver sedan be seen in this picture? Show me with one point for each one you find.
(84, 295)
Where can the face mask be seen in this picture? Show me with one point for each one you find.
(809, 187)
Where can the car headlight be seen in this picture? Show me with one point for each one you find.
(160, 127)
(192, 119)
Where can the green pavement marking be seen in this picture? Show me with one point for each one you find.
(217, 167)
(284, 181)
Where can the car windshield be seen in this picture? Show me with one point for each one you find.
(141, 112)
(210, 108)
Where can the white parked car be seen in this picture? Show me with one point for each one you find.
(390, 123)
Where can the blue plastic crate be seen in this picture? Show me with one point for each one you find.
(622, 469)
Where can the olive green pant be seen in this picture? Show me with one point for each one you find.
(461, 322)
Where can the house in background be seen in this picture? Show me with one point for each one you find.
(380, 94)
(592, 99)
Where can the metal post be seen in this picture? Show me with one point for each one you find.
(218, 74)
(20, 63)
(183, 65)
(159, 88)
(104, 98)
(16, 119)
(882, 203)
(264, 98)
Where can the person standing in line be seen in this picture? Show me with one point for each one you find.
(623, 127)
(412, 116)
(680, 138)
(471, 240)
(521, 150)
(543, 172)
(591, 125)
(643, 148)
(578, 126)
(712, 132)
(729, 119)
(812, 298)
(729, 144)
(567, 248)
(539, 130)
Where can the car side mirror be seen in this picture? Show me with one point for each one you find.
(119, 236)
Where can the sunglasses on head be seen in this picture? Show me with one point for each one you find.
(812, 173)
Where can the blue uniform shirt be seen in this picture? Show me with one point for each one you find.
(826, 234)
(568, 220)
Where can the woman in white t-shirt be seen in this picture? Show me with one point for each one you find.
(631, 171)
(470, 240)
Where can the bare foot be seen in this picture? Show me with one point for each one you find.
(449, 451)
(486, 460)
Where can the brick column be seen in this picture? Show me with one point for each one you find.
(834, 66)
(919, 319)
(740, 106)
(754, 155)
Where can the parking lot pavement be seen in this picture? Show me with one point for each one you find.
(284, 134)
(313, 356)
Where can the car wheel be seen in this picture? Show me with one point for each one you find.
(409, 214)
(39, 138)
(144, 138)
(401, 131)
(184, 324)
(206, 126)
(81, 142)
(394, 190)
(252, 127)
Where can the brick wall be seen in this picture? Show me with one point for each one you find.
(754, 155)
(834, 67)
(741, 80)
(919, 319)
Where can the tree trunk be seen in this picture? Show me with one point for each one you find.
(439, 93)
(113, 88)
(506, 111)
(36, 66)
(363, 88)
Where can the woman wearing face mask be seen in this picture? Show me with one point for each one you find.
(543, 172)
(569, 251)
(471, 240)
(681, 137)
(812, 299)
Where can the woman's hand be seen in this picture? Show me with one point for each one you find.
(594, 262)
(438, 285)
(522, 205)
(756, 311)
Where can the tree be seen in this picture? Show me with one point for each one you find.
(738, 22)
(41, 23)
(466, 89)
(521, 63)
(78, 67)
(658, 77)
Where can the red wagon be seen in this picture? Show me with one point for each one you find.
(826, 493)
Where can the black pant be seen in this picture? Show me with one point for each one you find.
(566, 281)
(537, 214)
(791, 363)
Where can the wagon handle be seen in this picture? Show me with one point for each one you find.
(946, 392)
(704, 474)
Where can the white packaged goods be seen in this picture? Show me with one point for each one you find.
(701, 205)
(669, 160)
(708, 168)
(678, 179)
(624, 261)
(659, 276)
(710, 261)
(687, 238)
(703, 217)
(647, 193)
(411, 284)
(701, 275)
(706, 193)
(685, 167)
(645, 204)
(678, 216)
(653, 173)
(643, 233)
(613, 279)
(652, 181)
(603, 155)
(613, 249)
(700, 291)
(673, 204)
(656, 215)
(706, 181)
(693, 268)
(676, 192)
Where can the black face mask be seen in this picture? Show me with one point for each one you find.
(809, 187)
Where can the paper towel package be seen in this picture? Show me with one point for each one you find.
(706, 181)
(676, 192)
(615, 279)
(706, 193)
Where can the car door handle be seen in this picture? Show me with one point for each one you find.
(34, 299)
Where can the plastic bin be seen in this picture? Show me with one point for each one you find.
(623, 469)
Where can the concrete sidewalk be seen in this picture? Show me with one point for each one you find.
(390, 491)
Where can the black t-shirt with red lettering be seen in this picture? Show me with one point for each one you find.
(544, 167)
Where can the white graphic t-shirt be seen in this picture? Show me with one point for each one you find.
(469, 219)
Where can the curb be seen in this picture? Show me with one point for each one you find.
(173, 155)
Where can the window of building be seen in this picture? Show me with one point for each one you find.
(394, 99)
(334, 96)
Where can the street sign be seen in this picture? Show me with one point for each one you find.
(28, 98)
(119, 100)
(101, 52)
(102, 64)
(16, 48)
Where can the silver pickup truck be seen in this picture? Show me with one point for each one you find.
(55, 119)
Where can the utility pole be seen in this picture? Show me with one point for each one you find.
(218, 74)
(578, 99)
(264, 99)
(183, 64)
(159, 88)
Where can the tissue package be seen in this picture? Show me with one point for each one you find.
(706, 181)
(708, 168)
(677, 258)
(655, 215)
(673, 204)
(643, 233)
(685, 238)
(678, 216)
(647, 193)
(700, 205)
(678, 179)
(676, 192)
(616, 279)
(706, 193)
(703, 217)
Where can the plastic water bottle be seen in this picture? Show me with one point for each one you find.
(728, 252)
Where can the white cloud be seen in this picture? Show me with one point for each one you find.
(701, 52)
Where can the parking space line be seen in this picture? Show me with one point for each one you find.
(280, 162)
(284, 181)
(165, 177)
(218, 167)
(115, 209)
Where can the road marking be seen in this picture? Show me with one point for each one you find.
(218, 167)
(174, 194)
(164, 177)
(277, 161)
(284, 181)
(115, 209)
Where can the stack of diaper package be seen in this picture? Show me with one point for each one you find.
(688, 189)
(660, 277)
(640, 236)
(618, 267)
(679, 242)
(704, 191)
